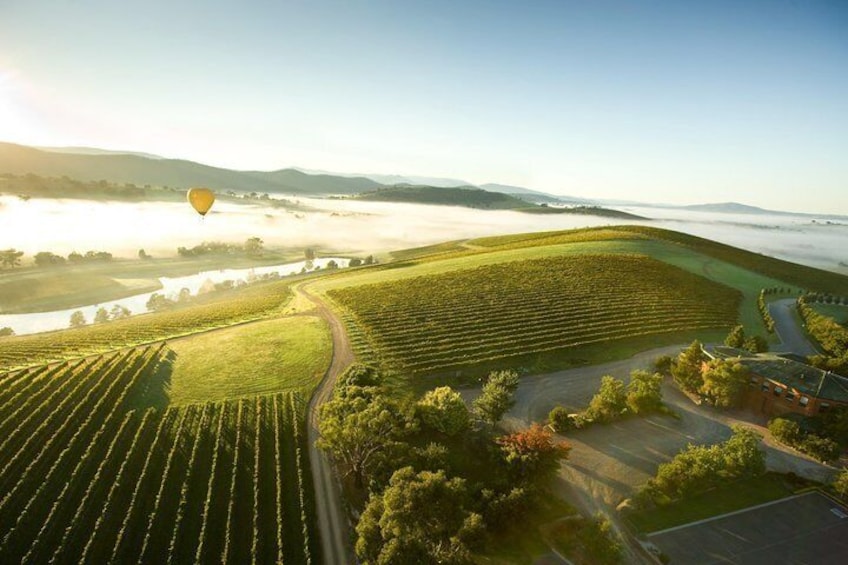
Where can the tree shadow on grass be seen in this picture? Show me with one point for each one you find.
(154, 387)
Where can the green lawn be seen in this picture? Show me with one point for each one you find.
(735, 496)
(839, 313)
(281, 355)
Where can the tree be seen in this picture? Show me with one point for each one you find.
(369, 260)
(420, 518)
(331, 264)
(6, 331)
(840, 483)
(497, 396)
(357, 426)
(609, 402)
(600, 541)
(309, 254)
(644, 392)
(253, 246)
(532, 456)
(47, 259)
(77, 319)
(444, 410)
(10, 257)
(142, 254)
(686, 369)
(355, 262)
(823, 449)
(74, 257)
(736, 337)
(359, 375)
(158, 303)
(559, 419)
(785, 431)
(119, 312)
(725, 383)
(742, 454)
(101, 316)
(662, 365)
(756, 344)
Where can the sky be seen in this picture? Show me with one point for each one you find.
(676, 102)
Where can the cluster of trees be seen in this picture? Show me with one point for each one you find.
(102, 315)
(737, 338)
(12, 258)
(252, 246)
(31, 185)
(762, 306)
(6, 331)
(412, 459)
(614, 400)
(789, 432)
(840, 483)
(699, 468)
(824, 298)
(357, 262)
(832, 337)
(723, 382)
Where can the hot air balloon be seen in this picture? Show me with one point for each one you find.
(201, 199)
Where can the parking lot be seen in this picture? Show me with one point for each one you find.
(804, 529)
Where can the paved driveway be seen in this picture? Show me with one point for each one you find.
(792, 336)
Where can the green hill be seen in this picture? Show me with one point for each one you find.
(174, 173)
(468, 197)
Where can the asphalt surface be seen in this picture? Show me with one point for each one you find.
(792, 336)
(805, 529)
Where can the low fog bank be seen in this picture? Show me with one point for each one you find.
(349, 226)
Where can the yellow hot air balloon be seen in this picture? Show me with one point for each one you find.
(201, 199)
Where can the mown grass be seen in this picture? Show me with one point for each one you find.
(839, 313)
(735, 496)
(281, 355)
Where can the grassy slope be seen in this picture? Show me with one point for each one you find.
(282, 355)
(736, 496)
(839, 313)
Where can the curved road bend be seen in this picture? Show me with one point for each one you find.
(792, 336)
(332, 518)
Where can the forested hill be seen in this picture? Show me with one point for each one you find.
(467, 196)
(174, 173)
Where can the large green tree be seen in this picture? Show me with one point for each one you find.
(497, 396)
(725, 382)
(419, 518)
(609, 402)
(686, 369)
(644, 392)
(444, 410)
(358, 427)
(736, 337)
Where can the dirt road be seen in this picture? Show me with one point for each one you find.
(792, 337)
(332, 518)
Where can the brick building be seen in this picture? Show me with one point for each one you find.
(779, 385)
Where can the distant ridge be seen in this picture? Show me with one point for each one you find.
(95, 151)
(737, 208)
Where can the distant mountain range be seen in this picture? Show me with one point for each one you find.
(92, 164)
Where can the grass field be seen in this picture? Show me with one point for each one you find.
(736, 496)
(496, 312)
(280, 355)
(839, 313)
(90, 471)
(32, 289)
(254, 302)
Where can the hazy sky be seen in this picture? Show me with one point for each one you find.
(653, 101)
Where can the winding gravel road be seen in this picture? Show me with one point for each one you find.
(332, 518)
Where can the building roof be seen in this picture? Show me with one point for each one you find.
(789, 372)
(803, 378)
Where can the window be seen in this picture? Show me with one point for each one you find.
(778, 390)
(765, 387)
(804, 401)
(754, 381)
(790, 395)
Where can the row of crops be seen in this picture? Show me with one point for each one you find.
(88, 475)
(251, 303)
(434, 322)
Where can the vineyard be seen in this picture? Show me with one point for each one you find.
(435, 322)
(254, 302)
(84, 478)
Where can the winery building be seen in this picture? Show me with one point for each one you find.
(780, 385)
